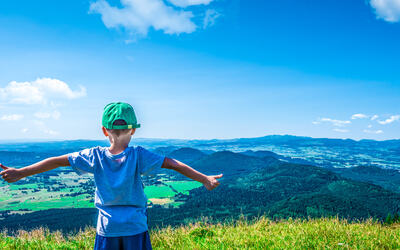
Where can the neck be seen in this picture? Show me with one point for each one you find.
(116, 149)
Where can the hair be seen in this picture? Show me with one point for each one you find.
(119, 132)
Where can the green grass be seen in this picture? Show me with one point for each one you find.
(158, 192)
(167, 192)
(27, 186)
(12, 197)
(47, 203)
(183, 186)
(263, 233)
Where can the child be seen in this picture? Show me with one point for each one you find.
(119, 196)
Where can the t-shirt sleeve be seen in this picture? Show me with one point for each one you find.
(148, 161)
(83, 162)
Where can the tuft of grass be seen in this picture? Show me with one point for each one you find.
(261, 233)
(42, 238)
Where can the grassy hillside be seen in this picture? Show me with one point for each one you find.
(261, 233)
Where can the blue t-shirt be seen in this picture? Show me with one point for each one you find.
(119, 194)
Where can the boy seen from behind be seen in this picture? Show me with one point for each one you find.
(117, 170)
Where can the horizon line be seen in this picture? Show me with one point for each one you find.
(190, 139)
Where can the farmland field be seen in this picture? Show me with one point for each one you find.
(68, 190)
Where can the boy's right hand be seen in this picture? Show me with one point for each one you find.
(10, 174)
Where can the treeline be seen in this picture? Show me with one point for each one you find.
(66, 220)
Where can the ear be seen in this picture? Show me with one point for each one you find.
(133, 131)
(104, 131)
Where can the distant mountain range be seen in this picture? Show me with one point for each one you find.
(297, 149)
(156, 142)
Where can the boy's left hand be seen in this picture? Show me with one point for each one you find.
(212, 182)
(10, 174)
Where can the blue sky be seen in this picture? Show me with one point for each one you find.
(201, 69)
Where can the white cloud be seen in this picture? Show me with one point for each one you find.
(45, 115)
(341, 130)
(373, 131)
(39, 91)
(337, 123)
(388, 10)
(210, 17)
(50, 132)
(374, 117)
(358, 116)
(42, 127)
(185, 3)
(24, 130)
(38, 123)
(138, 16)
(13, 117)
(390, 120)
(370, 126)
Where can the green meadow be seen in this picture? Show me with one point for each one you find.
(183, 186)
(67, 192)
(262, 233)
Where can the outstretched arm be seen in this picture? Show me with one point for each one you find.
(15, 174)
(210, 182)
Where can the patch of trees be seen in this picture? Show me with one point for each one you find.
(67, 220)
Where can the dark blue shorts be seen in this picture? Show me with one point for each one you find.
(132, 242)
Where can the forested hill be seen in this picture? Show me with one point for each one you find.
(387, 178)
(280, 189)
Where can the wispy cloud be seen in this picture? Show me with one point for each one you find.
(46, 115)
(210, 17)
(50, 132)
(43, 128)
(359, 116)
(138, 16)
(39, 91)
(374, 117)
(373, 131)
(334, 122)
(341, 130)
(393, 118)
(185, 3)
(13, 117)
(388, 10)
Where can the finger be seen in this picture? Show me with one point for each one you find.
(3, 172)
(218, 176)
(9, 179)
(3, 167)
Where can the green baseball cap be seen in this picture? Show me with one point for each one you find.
(119, 111)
